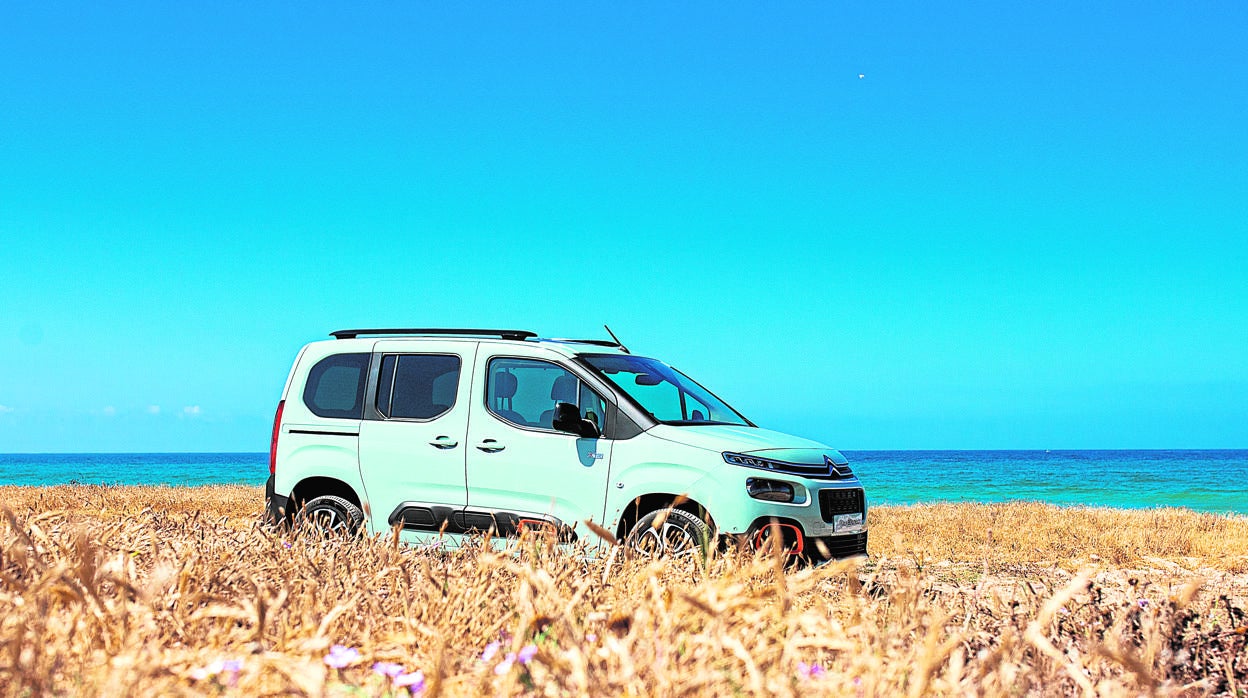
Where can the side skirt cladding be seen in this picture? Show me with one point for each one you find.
(435, 518)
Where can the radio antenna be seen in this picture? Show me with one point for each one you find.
(618, 343)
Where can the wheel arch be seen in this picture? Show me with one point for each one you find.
(646, 503)
(312, 487)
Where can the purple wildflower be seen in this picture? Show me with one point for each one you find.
(591, 637)
(809, 671)
(526, 654)
(342, 656)
(413, 682)
(490, 651)
(229, 667)
(505, 665)
(388, 669)
(1143, 603)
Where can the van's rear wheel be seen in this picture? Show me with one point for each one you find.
(669, 532)
(331, 514)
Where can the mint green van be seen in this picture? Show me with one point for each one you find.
(444, 433)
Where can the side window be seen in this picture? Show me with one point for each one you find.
(335, 386)
(417, 386)
(524, 392)
(593, 407)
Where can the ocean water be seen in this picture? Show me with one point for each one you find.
(1215, 481)
(184, 469)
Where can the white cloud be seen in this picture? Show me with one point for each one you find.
(191, 411)
(109, 411)
(4, 409)
(153, 409)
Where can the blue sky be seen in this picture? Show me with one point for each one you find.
(879, 225)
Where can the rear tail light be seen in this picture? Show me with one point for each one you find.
(277, 426)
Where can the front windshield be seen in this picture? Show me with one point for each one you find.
(667, 394)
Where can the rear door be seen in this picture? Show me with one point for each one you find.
(412, 440)
(521, 471)
(321, 422)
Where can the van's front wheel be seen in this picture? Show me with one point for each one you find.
(669, 532)
(331, 514)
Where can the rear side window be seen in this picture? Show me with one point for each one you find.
(417, 386)
(335, 386)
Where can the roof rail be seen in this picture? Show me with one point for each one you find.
(504, 334)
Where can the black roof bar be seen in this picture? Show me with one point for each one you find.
(504, 334)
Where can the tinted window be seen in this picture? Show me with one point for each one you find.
(524, 392)
(417, 386)
(335, 386)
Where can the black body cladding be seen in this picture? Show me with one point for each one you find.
(432, 518)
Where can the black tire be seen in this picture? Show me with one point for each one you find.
(331, 514)
(669, 532)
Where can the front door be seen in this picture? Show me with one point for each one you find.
(521, 472)
(413, 437)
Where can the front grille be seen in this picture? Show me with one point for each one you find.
(834, 547)
(840, 501)
(820, 471)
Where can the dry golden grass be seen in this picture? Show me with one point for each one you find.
(170, 591)
(1031, 532)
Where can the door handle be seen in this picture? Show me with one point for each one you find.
(490, 446)
(443, 442)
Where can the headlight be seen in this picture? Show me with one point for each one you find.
(828, 469)
(769, 490)
(749, 461)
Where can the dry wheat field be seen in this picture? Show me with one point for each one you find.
(112, 591)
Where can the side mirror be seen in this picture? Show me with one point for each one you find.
(568, 418)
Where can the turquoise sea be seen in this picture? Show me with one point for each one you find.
(1214, 481)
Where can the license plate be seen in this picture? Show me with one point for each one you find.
(843, 521)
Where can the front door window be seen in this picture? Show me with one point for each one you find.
(525, 392)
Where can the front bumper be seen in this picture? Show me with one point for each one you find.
(796, 542)
(736, 512)
(275, 505)
(812, 525)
